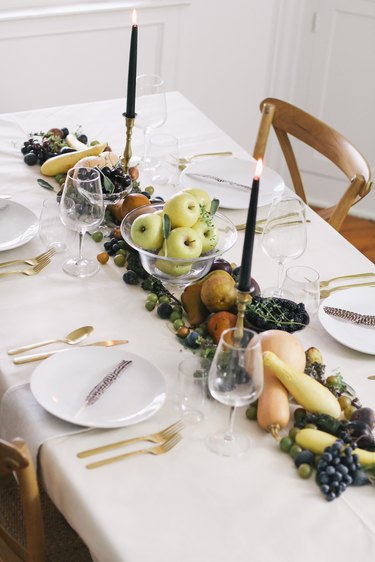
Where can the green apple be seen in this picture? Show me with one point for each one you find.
(201, 196)
(208, 233)
(172, 268)
(184, 243)
(147, 231)
(183, 209)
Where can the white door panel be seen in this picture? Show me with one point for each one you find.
(338, 50)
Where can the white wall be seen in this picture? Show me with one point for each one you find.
(225, 56)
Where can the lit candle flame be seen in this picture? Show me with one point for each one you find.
(134, 17)
(259, 168)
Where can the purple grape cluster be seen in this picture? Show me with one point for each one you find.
(336, 470)
(37, 151)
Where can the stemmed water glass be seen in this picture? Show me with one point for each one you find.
(235, 379)
(284, 236)
(151, 108)
(81, 208)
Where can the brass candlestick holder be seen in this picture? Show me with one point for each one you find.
(129, 123)
(242, 299)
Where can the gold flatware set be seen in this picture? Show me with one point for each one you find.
(324, 292)
(259, 225)
(185, 161)
(41, 356)
(73, 338)
(166, 439)
(158, 438)
(38, 263)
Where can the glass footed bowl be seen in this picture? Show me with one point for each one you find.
(181, 272)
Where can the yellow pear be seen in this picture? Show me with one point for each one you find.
(219, 292)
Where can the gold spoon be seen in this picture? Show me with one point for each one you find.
(72, 338)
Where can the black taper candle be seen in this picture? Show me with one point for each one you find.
(132, 72)
(244, 281)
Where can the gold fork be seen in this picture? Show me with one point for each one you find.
(30, 271)
(354, 275)
(182, 163)
(157, 450)
(326, 292)
(259, 226)
(159, 437)
(31, 261)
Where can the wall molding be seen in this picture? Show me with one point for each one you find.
(96, 34)
(82, 9)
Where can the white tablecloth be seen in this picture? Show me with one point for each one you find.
(189, 505)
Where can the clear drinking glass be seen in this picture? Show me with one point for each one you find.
(82, 208)
(51, 229)
(235, 379)
(163, 151)
(284, 235)
(193, 396)
(302, 284)
(151, 109)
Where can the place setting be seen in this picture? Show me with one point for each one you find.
(349, 317)
(18, 224)
(227, 179)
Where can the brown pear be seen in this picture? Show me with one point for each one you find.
(193, 305)
(192, 302)
(218, 292)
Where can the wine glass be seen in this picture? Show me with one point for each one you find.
(235, 379)
(81, 208)
(151, 108)
(284, 236)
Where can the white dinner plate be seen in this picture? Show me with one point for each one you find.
(241, 171)
(18, 225)
(61, 383)
(356, 336)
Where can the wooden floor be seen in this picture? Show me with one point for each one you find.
(360, 233)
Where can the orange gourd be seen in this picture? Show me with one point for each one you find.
(273, 404)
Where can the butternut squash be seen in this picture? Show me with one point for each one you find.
(273, 411)
(307, 392)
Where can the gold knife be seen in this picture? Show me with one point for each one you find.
(40, 356)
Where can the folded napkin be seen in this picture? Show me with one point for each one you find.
(22, 416)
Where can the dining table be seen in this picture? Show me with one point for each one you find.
(189, 505)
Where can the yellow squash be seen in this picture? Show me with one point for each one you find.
(63, 162)
(307, 392)
(316, 441)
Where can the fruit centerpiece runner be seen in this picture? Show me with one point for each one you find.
(331, 432)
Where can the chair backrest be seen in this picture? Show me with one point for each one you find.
(15, 461)
(289, 120)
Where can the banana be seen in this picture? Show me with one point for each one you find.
(307, 392)
(72, 141)
(316, 441)
(63, 162)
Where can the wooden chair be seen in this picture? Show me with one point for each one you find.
(288, 120)
(15, 462)
(30, 524)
